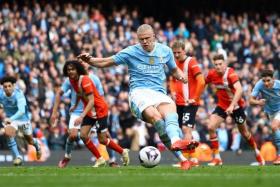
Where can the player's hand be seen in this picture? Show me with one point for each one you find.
(190, 101)
(262, 102)
(183, 79)
(72, 108)
(230, 109)
(78, 121)
(84, 57)
(7, 121)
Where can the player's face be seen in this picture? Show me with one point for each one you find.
(72, 72)
(179, 54)
(268, 82)
(8, 88)
(147, 39)
(220, 66)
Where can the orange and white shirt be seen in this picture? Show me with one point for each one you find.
(224, 85)
(184, 92)
(85, 86)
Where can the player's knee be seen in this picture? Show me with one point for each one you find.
(84, 136)
(212, 127)
(103, 138)
(155, 118)
(73, 134)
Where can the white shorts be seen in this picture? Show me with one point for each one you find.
(73, 117)
(275, 116)
(24, 126)
(140, 99)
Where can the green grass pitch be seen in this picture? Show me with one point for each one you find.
(134, 176)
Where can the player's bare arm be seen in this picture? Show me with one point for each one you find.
(179, 75)
(89, 106)
(97, 62)
(53, 117)
(236, 97)
(254, 101)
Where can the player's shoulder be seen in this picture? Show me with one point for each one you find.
(277, 83)
(232, 73)
(162, 47)
(211, 72)
(18, 92)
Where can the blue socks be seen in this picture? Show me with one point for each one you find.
(172, 127)
(13, 147)
(277, 140)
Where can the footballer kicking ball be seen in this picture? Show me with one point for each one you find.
(149, 156)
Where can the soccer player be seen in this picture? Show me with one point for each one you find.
(230, 102)
(147, 96)
(187, 96)
(269, 90)
(67, 89)
(95, 111)
(16, 117)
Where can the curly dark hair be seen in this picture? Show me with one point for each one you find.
(10, 79)
(78, 66)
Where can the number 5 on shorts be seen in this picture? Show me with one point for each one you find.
(186, 118)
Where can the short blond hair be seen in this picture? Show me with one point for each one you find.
(178, 45)
(144, 27)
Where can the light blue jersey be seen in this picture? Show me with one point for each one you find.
(272, 96)
(68, 90)
(15, 106)
(146, 69)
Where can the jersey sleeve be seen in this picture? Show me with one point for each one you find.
(87, 85)
(97, 84)
(194, 67)
(66, 85)
(171, 64)
(256, 89)
(122, 56)
(232, 77)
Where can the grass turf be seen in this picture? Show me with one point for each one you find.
(134, 176)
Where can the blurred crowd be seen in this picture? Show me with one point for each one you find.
(36, 40)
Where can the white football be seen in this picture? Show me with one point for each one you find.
(149, 156)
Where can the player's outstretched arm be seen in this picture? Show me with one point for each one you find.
(254, 101)
(53, 117)
(96, 62)
(179, 75)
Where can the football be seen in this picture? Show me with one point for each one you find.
(149, 156)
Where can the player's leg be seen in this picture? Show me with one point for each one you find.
(275, 125)
(26, 128)
(111, 152)
(10, 133)
(168, 111)
(239, 117)
(187, 123)
(104, 138)
(84, 134)
(73, 135)
(216, 118)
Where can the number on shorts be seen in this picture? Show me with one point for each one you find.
(186, 117)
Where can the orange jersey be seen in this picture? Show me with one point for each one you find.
(183, 91)
(83, 87)
(224, 85)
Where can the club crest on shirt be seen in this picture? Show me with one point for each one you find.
(152, 60)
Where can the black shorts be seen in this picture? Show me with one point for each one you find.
(186, 115)
(100, 124)
(238, 115)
